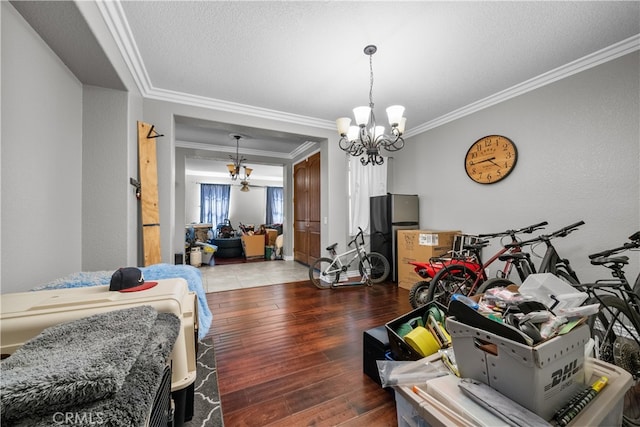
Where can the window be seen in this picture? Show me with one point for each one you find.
(214, 203)
(275, 205)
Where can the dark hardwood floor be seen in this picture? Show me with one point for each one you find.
(291, 354)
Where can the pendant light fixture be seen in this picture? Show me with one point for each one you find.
(366, 139)
(234, 168)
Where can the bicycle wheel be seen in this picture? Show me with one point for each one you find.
(567, 277)
(453, 279)
(418, 295)
(616, 330)
(496, 282)
(375, 266)
(322, 273)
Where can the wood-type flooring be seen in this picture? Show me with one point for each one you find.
(291, 354)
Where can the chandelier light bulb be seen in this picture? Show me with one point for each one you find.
(361, 115)
(401, 125)
(343, 124)
(395, 113)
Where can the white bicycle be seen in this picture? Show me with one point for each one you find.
(326, 272)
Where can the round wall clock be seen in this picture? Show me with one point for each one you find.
(490, 159)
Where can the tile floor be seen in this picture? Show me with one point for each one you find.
(219, 278)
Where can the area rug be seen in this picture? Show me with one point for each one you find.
(207, 410)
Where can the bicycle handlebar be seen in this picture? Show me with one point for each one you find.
(528, 230)
(355, 238)
(563, 232)
(635, 243)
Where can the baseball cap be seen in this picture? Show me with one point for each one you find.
(129, 279)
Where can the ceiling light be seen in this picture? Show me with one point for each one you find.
(367, 138)
(234, 169)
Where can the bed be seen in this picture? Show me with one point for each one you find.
(153, 272)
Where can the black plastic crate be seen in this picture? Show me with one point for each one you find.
(400, 350)
(375, 343)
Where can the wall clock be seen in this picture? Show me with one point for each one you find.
(490, 159)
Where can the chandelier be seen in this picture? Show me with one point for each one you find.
(367, 138)
(234, 168)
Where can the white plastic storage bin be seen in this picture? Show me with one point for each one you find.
(604, 410)
(540, 378)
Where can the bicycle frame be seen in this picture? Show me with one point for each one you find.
(338, 266)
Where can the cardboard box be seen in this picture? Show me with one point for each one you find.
(420, 245)
(541, 378)
(253, 246)
(272, 234)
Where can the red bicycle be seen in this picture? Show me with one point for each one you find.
(468, 263)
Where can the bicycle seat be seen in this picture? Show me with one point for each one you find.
(605, 260)
(517, 255)
(332, 247)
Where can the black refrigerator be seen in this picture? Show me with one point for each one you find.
(388, 214)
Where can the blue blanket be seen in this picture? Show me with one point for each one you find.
(154, 272)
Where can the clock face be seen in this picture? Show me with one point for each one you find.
(490, 159)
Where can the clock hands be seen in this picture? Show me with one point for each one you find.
(490, 159)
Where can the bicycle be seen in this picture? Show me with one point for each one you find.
(465, 277)
(616, 327)
(551, 262)
(373, 267)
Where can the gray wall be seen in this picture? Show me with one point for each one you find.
(67, 154)
(105, 187)
(578, 142)
(41, 160)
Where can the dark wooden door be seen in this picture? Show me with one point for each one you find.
(306, 210)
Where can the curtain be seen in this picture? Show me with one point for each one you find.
(275, 205)
(214, 203)
(364, 182)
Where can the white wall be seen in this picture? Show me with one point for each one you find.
(41, 160)
(578, 142)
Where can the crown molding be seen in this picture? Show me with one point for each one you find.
(604, 55)
(234, 107)
(225, 149)
(116, 21)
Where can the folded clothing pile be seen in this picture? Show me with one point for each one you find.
(104, 369)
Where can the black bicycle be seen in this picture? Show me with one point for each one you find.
(616, 327)
(551, 262)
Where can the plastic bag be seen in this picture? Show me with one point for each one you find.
(394, 373)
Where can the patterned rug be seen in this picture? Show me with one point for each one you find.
(207, 408)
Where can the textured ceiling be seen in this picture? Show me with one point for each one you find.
(306, 57)
(303, 61)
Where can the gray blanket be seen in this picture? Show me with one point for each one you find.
(105, 367)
